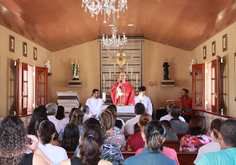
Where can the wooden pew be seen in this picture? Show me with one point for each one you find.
(181, 135)
(172, 144)
(70, 154)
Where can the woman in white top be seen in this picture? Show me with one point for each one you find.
(214, 145)
(46, 134)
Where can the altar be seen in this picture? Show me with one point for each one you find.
(122, 111)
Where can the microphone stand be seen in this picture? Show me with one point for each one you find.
(183, 110)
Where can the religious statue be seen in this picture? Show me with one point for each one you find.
(166, 70)
(75, 70)
(193, 62)
(48, 65)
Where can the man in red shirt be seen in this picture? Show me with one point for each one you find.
(187, 105)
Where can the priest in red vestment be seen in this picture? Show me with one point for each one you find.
(122, 92)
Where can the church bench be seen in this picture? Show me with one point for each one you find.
(181, 135)
(175, 144)
(70, 154)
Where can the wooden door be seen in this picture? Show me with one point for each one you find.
(198, 86)
(41, 86)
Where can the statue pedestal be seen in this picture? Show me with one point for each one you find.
(74, 83)
(68, 100)
(167, 83)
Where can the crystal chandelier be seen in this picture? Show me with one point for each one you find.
(114, 42)
(106, 6)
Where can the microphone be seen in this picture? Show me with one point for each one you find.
(121, 82)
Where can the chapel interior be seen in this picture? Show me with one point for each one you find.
(62, 31)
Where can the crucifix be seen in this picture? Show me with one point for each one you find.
(121, 58)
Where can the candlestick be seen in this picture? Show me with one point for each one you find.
(104, 96)
(127, 69)
(131, 74)
(140, 96)
(109, 73)
(114, 69)
(103, 79)
(136, 78)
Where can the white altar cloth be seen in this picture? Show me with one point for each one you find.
(122, 111)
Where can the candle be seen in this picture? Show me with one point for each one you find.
(11, 43)
(109, 73)
(114, 69)
(140, 96)
(25, 49)
(131, 74)
(104, 96)
(103, 79)
(136, 78)
(127, 69)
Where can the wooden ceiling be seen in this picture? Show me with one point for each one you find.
(59, 24)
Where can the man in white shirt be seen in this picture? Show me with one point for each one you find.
(94, 103)
(169, 117)
(52, 111)
(144, 100)
(129, 125)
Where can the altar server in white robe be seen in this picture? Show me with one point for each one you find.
(142, 98)
(94, 103)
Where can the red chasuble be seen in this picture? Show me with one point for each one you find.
(126, 88)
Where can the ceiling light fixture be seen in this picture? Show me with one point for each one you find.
(106, 6)
(113, 42)
(130, 24)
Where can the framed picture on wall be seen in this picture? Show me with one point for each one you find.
(35, 53)
(25, 49)
(213, 47)
(224, 42)
(204, 52)
(11, 43)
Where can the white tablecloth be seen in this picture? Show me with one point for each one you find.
(121, 110)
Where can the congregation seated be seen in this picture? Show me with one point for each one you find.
(177, 125)
(14, 144)
(119, 122)
(154, 135)
(70, 139)
(227, 154)
(196, 138)
(61, 115)
(91, 140)
(214, 145)
(171, 134)
(109, 151)
(168, 117)
(39, 112)
(85, 109)
(46, 134)
(139, 109)
(52, 111)
(107, 120)
(135, 141)
(77, 119)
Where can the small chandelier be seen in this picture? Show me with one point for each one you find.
(113, 42)
(106, 6)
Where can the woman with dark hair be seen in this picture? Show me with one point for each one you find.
(61, 115)
(197, 138)
(70, 139)
(14, 143)
(38, 112)
(119, 122)
(171, 134)
(91, 141)
(154, 136)
(107, 120)
(214, 145)
(77, 119)
(46, 134)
